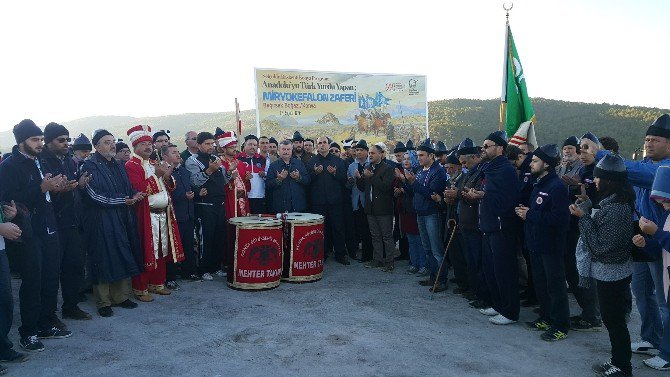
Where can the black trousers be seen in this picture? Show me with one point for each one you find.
(211, 231)
(587, 298)
(257, 206)
(72, 266)
(473, 254)
(550, 290)
(456, 255)
(350, 234)
(501, 271)
(613, 308)
(187, 267)
(363, 229)
(403, 244)
(334, 226)
(39, 265)
(6, 304)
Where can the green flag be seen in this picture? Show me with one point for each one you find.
(515, 106)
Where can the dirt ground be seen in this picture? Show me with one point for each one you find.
(354, 322)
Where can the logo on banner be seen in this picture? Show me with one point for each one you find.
(314, 249)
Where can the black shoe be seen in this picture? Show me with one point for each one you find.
(575, 318)
(127, 304)
(57, 323)
(586, 326)
(3, 370)
(342, 260)
(427, 283)
(76, 313)
(470, 296)
(106, 311)
(31, 343)
(353, 257)
(553, 335)
(460, 290)
(364, 260)
(194, 277)
(13, 357)
(54, 333)
(609, 370)
(538, 325)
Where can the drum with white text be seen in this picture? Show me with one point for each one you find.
(303, 257)
(257, 259)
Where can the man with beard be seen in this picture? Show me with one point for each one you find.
(122, 151)
(328, 176)
(159, 139)
(156, 224)
(377, 184)
(499, 226)
(273, 149)
(254, 174)
(55, 160)
(546, 221)
(209, 180)
(25, 181)
(110, 226)
(298, 148)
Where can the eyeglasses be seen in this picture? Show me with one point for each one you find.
(63, 139)
(487, 146)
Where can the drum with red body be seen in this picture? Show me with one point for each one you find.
(257, 258)
(303, 256)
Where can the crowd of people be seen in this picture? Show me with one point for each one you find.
(519, 226)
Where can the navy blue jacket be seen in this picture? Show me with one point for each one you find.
(501, 187)
(433, 180)
(110, 226)
(326, 188)
(548, 216)
(20, 181)
(65, 204)
(183, 207)
(289, 195)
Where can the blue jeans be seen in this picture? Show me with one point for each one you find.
(664, 347)
(430, 229)
(417, 255)
(647, 287)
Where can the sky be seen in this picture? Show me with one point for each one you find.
(63, 60)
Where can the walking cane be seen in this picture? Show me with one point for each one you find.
(451, 222)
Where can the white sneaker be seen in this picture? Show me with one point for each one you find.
(501, 320)
(644, 348)
(489, 312)
(207, 276)
(221, 273)
(657, 363)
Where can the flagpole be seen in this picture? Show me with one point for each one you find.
(503, 98)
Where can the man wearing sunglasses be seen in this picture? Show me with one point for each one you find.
(499, 229)
(191, 139)
(55, 160)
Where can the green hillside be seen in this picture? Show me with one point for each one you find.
(450, 120)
